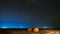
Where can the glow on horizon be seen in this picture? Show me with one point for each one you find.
(4, 27)
(45, 27)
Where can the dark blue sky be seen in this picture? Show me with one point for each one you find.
(29, 13)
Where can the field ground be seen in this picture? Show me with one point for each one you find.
(31, 32)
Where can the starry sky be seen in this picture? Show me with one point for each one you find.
(29, 13)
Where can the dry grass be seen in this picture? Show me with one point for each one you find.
(31, 32)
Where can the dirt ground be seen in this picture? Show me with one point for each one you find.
(31, 32)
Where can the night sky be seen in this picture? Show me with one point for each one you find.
(29, 13)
